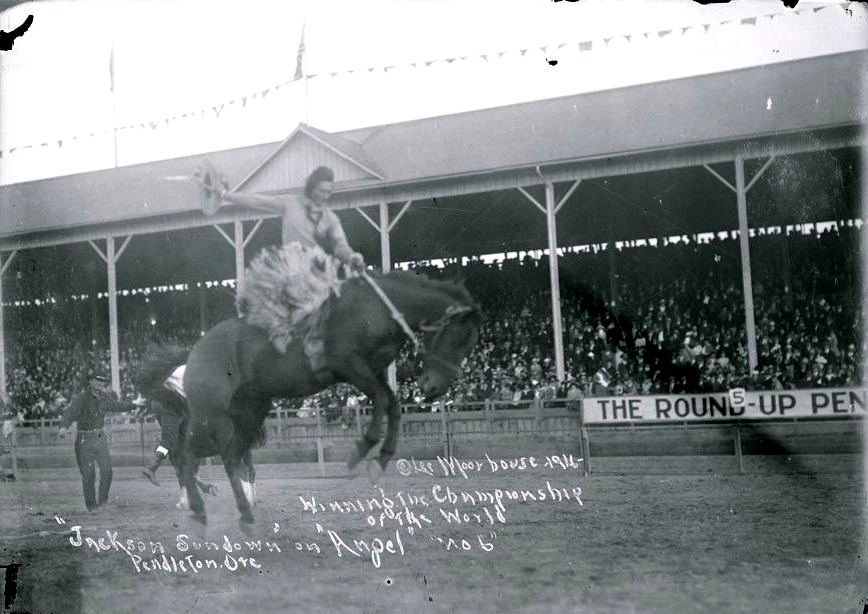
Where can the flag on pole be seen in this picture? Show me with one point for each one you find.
(299, 58)
(112, 68)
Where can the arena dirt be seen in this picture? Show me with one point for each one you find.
(639, 535)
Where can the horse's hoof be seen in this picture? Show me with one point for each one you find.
(375, 470)
(212, 490)
(357, 453)
(197, 525)
(151, 477)
(248, 527)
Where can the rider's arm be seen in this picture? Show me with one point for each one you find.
(71, 414)
(340, 248)
(270, 204)
(117, 406)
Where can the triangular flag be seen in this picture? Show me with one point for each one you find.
(299, 56)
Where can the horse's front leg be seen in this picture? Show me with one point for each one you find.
(377, 388)
(362, 377)
(390, 443)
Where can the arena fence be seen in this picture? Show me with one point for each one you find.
(731, 424)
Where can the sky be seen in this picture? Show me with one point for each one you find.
(193, 76)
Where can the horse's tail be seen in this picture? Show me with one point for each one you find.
(157, 366)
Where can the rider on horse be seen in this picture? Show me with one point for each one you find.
(307, 222)
(170, 415)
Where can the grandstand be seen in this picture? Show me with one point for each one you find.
(654, 292)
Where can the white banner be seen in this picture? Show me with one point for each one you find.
(733, 405)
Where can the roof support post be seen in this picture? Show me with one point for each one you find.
(385, 242)
(550, 210)
(113, 313)
(111, 257)
(552, 231)
(385, 228)
(741, 190)
(744, 245)
(238, 242)
(386, 263)
(4, 265)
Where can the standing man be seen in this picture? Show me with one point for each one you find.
(88, 410)
(350, 410)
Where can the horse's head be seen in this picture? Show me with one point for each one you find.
(450, 340)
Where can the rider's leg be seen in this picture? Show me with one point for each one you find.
(150, 471)
(314, 348)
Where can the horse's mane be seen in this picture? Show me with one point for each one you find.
(454, 289)
(157, 364)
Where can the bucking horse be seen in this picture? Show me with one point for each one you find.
(235, 370)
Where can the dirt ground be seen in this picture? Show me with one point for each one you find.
(669, 534)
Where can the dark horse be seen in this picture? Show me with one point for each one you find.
(234, 371)
(171, 408)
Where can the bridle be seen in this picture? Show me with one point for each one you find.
(452, 312)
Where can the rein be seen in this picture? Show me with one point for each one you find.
(451, 312)
(396, 315)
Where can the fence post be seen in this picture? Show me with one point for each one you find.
(14, 452)
(319, 446)
(538, 405)
(447, 444)
(279, 426)
(489, 423)
(586, 444)
(738, 453)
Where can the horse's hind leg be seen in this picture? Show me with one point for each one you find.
(232, 462)
(249, 484)
(197, 505)
(199, 437)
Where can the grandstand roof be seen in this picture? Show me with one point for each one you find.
(637, 149)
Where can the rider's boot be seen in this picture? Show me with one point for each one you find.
(314, 347)
(151, 470)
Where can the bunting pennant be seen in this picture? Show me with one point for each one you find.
(301, 73)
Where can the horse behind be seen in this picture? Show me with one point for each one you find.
(150, 380)
(234, 371)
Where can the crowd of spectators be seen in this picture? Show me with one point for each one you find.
(644, 320)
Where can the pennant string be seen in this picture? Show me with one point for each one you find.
(302, 73)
